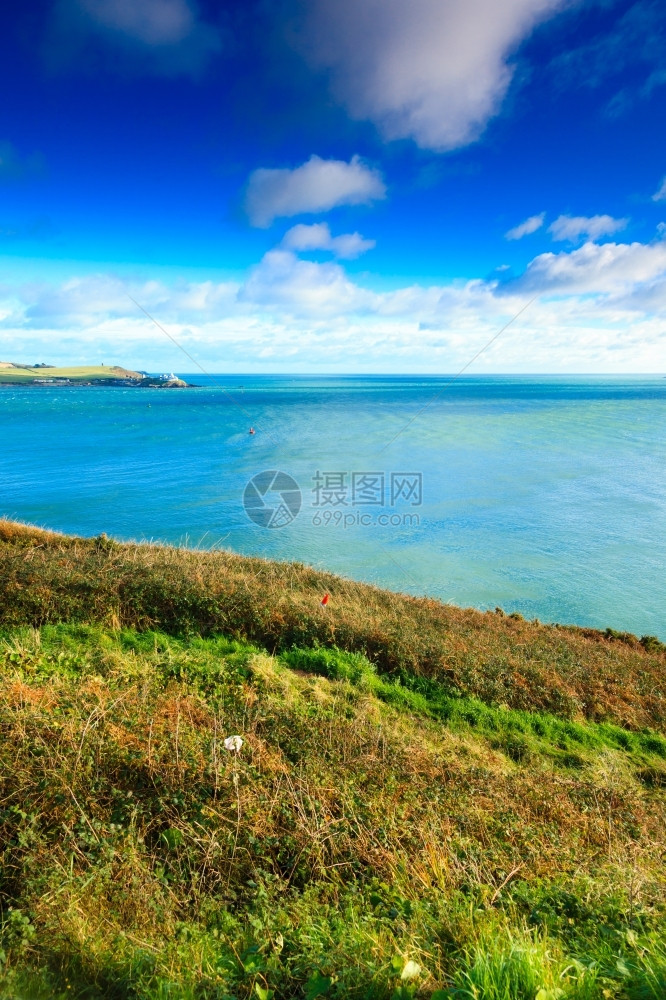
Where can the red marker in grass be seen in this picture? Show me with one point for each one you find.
(324, 601)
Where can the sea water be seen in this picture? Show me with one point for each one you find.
(542, 495)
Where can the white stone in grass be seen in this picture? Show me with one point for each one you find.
(233, 743)
(411, 970)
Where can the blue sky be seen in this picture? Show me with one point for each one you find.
(335, 185)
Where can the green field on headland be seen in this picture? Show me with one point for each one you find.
(81, 373)
(14, 374)
(428, 802)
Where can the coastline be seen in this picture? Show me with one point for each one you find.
(52, 376)
(277, 604)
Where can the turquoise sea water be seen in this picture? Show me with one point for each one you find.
(544, 495)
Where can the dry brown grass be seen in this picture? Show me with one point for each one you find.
(344, 789)
(47, 578)
(124, 823)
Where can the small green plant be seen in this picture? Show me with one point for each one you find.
(519, 966)
(652, 644)
(336, 664)
(17, 933)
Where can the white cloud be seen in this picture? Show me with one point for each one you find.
(576, 227)
(611, 269)
(302, 287)
(597, 308)
(316, 186)
(525, 228)
(431, 70)
(318, 236)
(660, 194)
(84, 302)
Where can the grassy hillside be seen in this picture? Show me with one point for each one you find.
(45, 578)
(428, 802)
(25, 376)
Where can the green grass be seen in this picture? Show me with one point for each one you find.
(570, 672)
(430, 802)
(520, 734)
(374, 837)
(79, 373)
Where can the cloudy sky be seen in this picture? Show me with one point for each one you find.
(335, 185)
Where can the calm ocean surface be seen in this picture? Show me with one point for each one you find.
(544, 495)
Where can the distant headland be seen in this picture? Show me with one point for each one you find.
(13, 373)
